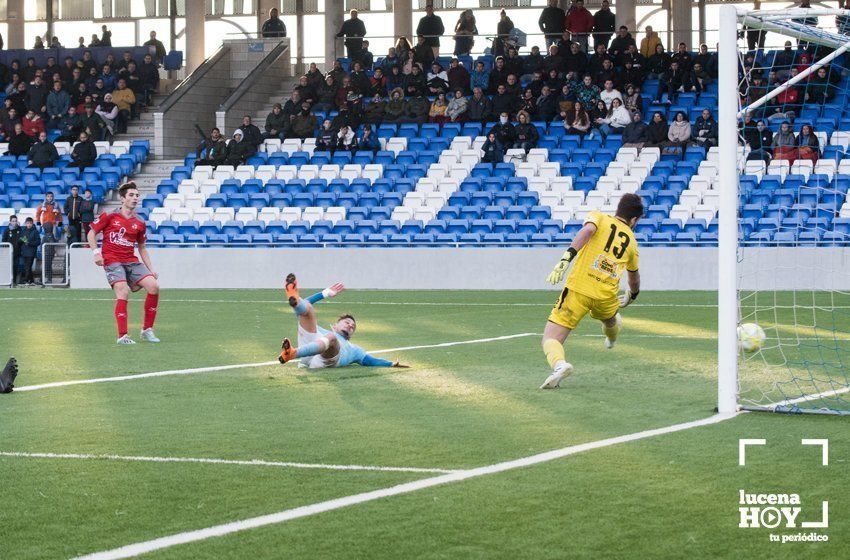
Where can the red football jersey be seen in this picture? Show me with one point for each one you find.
(120, 236)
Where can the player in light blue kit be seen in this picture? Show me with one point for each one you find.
(322, 348)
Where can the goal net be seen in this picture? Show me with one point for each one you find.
(793, 218)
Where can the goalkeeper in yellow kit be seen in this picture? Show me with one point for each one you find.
(600, 252)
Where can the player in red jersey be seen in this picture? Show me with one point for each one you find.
(122, 230)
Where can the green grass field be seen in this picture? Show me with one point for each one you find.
(459, 407)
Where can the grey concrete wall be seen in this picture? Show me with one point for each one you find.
(174, 130)
(494, 268)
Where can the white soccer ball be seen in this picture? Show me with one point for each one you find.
(751, 337)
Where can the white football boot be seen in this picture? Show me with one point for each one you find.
(562, 370)
(125, 340)
(148, 336)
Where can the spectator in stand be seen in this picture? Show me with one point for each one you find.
(12, 236)
(19, 141)
(33, 124)
(785, 143)
(106, 37)
(503, 33)
(12, 87)
(110, 78)
(632, 100)
(597, 59)
(528, 103)
(672, 82)
(551, 22)
(649, 44)
(809, 145)
(368, 140)
(480, 77)
(95, 41)
(527, 135)
(786, 104)
(397, 107)
(422, 54)
(480, 106)
(579, 23)
(376, 111)
(705, 130)
(159, 48)
(603, 25)
(498, 75)
(48, 251)
(635, 134)
(504, 130)
(37, 95)
(707, 60)
(758, 137)
(395, 79)
(437, 114)
(29, 241)
(683, 57)
(125, 99)
(9, 122)
(457, 107)
(39, 43)
(88, 210)
(19, 99)
(149, 78)
(84, 153)
(465, 32)
(699, 78)
(29, 72)
(577, 121)
(239, 150)
(505, 103)
(277, 123)
(494, 151)
(410, 62)
(679, 133)
(99, 91)
(616, 119)
(657, 130)
(346, 140)
(353, 29)
(366, 59)
(402, 47)
(73, 212)
(314, 77)
(358, 79)
(565, 101)
(438, 80)
(431, 27)
(513, 63)
(130, 75)
(419, 108)
(458, 76)
(575, 62)
(304, 124)
(326, 139)
(377, 84)
(92, 123)
(326, 96)
(392, 59)
(547, 105)
(533, 61)
(609, 94)
(251, 133)
(820, 89)
(274, 27)
(42, 153)
(587, 92)
(108, 113)
(48, 212)
(415, 83)
(620, 45)
(658, 64)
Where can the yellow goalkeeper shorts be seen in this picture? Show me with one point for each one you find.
(572, 306)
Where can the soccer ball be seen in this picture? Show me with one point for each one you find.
(750, 337)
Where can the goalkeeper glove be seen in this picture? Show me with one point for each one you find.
(557, 274)
(628, 297)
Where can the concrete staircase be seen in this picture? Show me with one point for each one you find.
(286, 87)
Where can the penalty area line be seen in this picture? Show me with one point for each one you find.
(136, 549)
(250, 365)
(211, 461)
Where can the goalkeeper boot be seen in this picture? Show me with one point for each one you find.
(287, 352)
(149, 336)
(609, 344)
(291, 288)
(7, 377)
(562, 370)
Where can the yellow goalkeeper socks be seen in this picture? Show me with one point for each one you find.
(554, 351)
(612, 332)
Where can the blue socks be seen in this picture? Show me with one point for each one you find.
(301, 308)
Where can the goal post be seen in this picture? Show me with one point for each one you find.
(794, 280)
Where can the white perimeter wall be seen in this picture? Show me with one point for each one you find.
(480, 268)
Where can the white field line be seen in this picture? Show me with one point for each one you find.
(136, 549)
(249, 365)
(251, 463)
(809, 398)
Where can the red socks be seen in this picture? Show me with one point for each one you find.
(121, 316)
(151, 301)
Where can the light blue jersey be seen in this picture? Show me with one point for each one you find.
(352, 354)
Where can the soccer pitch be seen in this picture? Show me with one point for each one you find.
(91, 467)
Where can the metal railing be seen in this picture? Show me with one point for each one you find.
(7, 264)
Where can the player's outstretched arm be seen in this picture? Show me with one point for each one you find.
(633, 291)
(329, 292)
(580, 240)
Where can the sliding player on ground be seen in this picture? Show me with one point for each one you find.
(122, 231)
(319, 347)
(601, 250)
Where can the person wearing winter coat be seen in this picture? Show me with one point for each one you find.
(346, 140)
(493, 150)
(616, 121)
(42, 154)
(84, 152)
(679, 132)
(58, 103)
(527, 134)
(239, 150)
(369, 141)
(635, 133)
(353, 30)
(277, 123)
(397, 107)
(504, 131)
(480, 107)
(603, 25)
(274, 26)
(376, 111)
(656, 133)
(458, 106)
(577, 120)
(431, 28)
(551, 22)
(705, 130)
(579, 23)
(480, 78)
(29, 241)
(12, 236)
(326, 139)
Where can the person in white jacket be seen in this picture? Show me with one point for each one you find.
(618, 118)
(609, 94)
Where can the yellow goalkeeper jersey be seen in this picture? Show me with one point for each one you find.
(598, 267)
